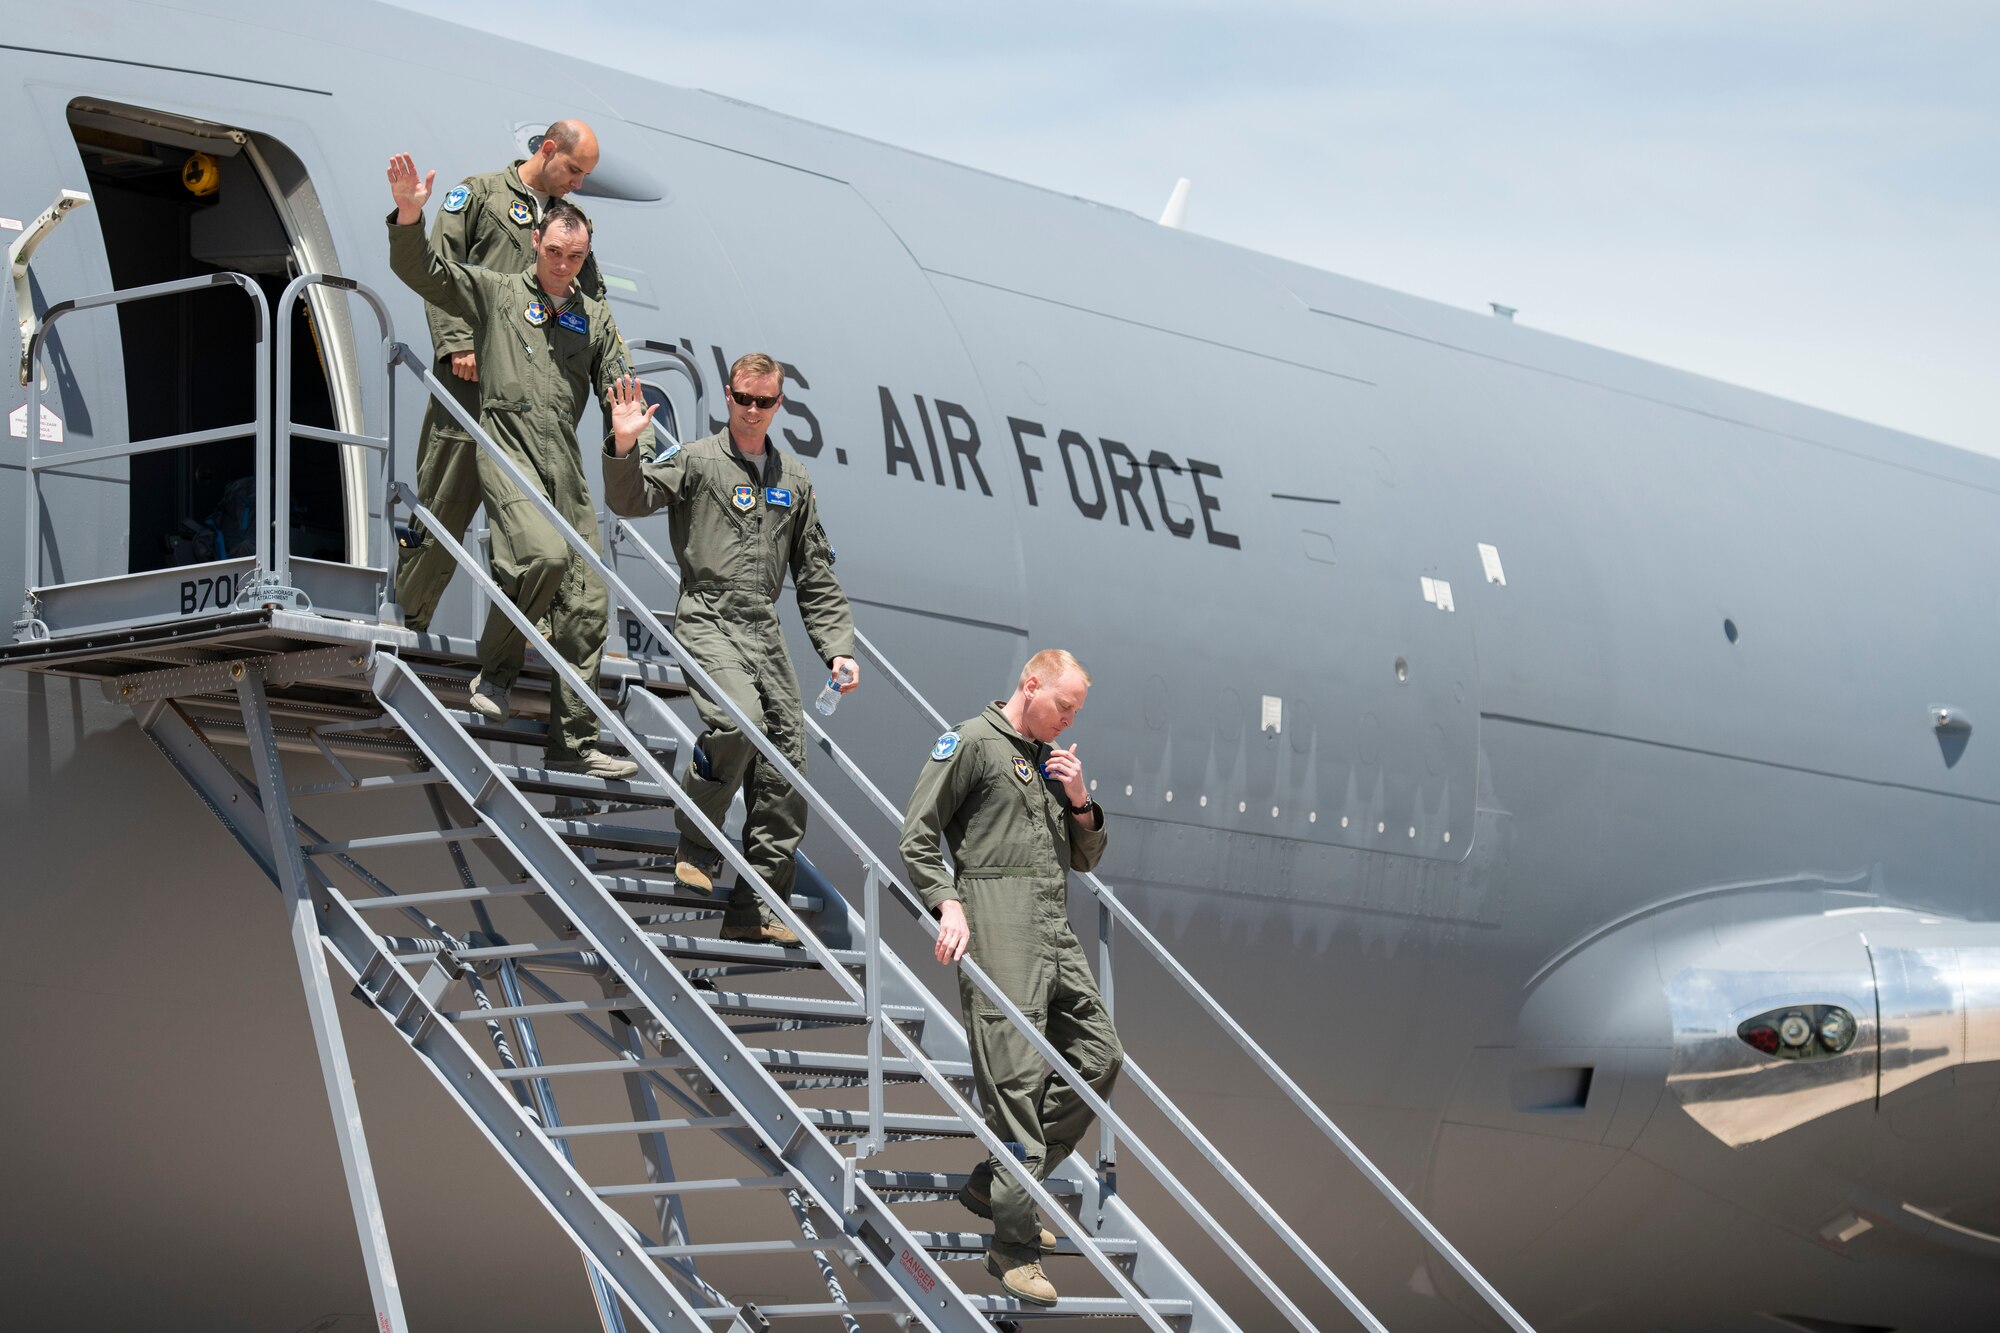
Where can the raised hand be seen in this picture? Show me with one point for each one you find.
(631, 414)
(411, 194)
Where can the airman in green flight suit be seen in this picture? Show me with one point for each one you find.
(742, 514)
(1017, 817)
(490, 221)
(543, 348)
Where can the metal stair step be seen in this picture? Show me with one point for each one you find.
(806, 1310)
(417, 838)
(853, 1067)
(726, 1185)
(666, 892)
(535, 734)
(897, 1123)
(1076, 1307)
(645, 1126)
(949, 1183)
(514, 731)
(548, 781)
(804, 1006)
(447, 665)
(622, 837)
(848, 1071)
(552, 1009)
(442, 896)
(972, 1243)
(788, 1245)
(694, 948)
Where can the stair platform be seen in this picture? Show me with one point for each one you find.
(223, 637)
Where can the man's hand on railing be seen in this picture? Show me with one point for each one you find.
(631, 416)
(954, 936)
(411, 194)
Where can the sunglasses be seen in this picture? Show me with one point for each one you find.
(767, 402)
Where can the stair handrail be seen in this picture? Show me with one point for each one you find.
(285, 430)
(402, 355)
(1244, 1041)
(623, 531)
(865, 853)
(29, 626)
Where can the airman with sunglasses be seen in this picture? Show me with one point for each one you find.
(741, 513)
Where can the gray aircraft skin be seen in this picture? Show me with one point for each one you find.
(1493, 722)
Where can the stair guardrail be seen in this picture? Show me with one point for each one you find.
(874, 867)
(1114, 912)
(286, 430)
(624, 532)
(840, 1201)
(29, 626)
(403, 356)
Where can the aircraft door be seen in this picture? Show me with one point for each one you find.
(177, 198)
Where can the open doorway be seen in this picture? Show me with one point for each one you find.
(180, 199)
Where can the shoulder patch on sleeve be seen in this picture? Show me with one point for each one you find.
(667, 453)
(456, 201)
(946, 746)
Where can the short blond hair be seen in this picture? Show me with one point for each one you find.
(1051, 665)
(756, 365)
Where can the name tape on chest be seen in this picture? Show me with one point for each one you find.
(779, 496)
(743, 497)
(1023, 769)
(575, 321)
(519, 212)
(456, 201)
(536, 314)
(946, 747)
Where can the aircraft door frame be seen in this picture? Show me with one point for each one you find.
(288, 185)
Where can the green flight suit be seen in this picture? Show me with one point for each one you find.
(537, 372)
(738, 524)
(491, 225)
(1014, 843)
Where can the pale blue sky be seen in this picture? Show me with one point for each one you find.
(1802, 196)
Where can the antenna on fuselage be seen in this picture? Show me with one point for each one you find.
(1175, 213)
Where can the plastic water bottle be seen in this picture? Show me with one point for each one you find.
(829, 697)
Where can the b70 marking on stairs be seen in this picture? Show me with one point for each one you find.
(208, 594)
(639, 641)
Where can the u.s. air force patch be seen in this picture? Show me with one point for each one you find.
(1023, 769)
(456, 201)
(519, 212)
(536, 313)
(743, 497)
(946, 746)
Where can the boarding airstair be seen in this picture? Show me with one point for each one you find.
(690, 1110)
